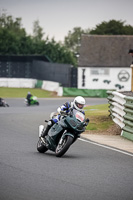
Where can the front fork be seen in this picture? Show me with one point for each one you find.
(66, 134)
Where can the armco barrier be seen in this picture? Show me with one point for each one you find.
(18, 82)
(121, 111)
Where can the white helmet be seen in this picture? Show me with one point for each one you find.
(79, 103)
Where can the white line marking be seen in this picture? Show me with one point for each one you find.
(107, 147)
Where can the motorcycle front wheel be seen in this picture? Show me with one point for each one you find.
(40, 147)
(63, 146)
(5, 105)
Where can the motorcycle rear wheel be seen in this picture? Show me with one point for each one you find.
(64, 146)
(40, 147)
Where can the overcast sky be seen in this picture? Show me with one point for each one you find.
(57, 17)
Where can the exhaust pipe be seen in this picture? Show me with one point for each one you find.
(41, 127)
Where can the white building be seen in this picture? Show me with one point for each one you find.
(104, 62)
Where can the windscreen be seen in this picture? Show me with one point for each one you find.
(79, 116)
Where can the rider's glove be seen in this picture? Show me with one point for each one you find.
(87, 121)
(63, 112)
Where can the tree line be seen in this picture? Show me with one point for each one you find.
(15, 41)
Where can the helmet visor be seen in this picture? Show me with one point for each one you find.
(79, 105)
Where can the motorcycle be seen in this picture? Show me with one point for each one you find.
(33, 101)
(3, 103)
(63, 133)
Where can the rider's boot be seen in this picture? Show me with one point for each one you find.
(45, 132)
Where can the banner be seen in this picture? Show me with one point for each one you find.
(84, 92)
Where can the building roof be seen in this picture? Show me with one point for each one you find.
(105, 51)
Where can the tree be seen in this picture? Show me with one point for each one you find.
(59, 53)
(37, 31)
(112, 27)
(72, 40)
(14, 40)
(11, 32)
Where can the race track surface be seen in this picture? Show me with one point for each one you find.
(85, 172)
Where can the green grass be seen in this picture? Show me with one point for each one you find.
(99, 117)
(22, 92)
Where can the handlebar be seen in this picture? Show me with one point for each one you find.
(86, 122)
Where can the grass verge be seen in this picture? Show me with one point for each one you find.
(99, 117)
(22, 92)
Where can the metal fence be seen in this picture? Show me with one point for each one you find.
(38, 67)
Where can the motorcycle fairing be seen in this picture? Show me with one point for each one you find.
(74, 124)
(54, 135)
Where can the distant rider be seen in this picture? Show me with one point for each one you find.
(78, 104)
(29, 95)
(1, 101)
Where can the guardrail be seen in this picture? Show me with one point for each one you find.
(121, 111)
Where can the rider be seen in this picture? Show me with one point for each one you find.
(29, 95)
(78, 104)
(1, 101)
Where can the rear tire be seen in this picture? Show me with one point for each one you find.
(40, 146)
(64, 146)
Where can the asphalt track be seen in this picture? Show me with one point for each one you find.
(86, 171)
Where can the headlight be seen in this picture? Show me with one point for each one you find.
(73, 123)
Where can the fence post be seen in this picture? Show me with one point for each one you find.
(132, 78)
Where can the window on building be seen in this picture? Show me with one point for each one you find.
(99, 71)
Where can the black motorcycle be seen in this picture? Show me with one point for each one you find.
(63, 133)
(3, 103)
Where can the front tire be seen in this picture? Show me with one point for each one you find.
(40, 147)
(64, 146)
